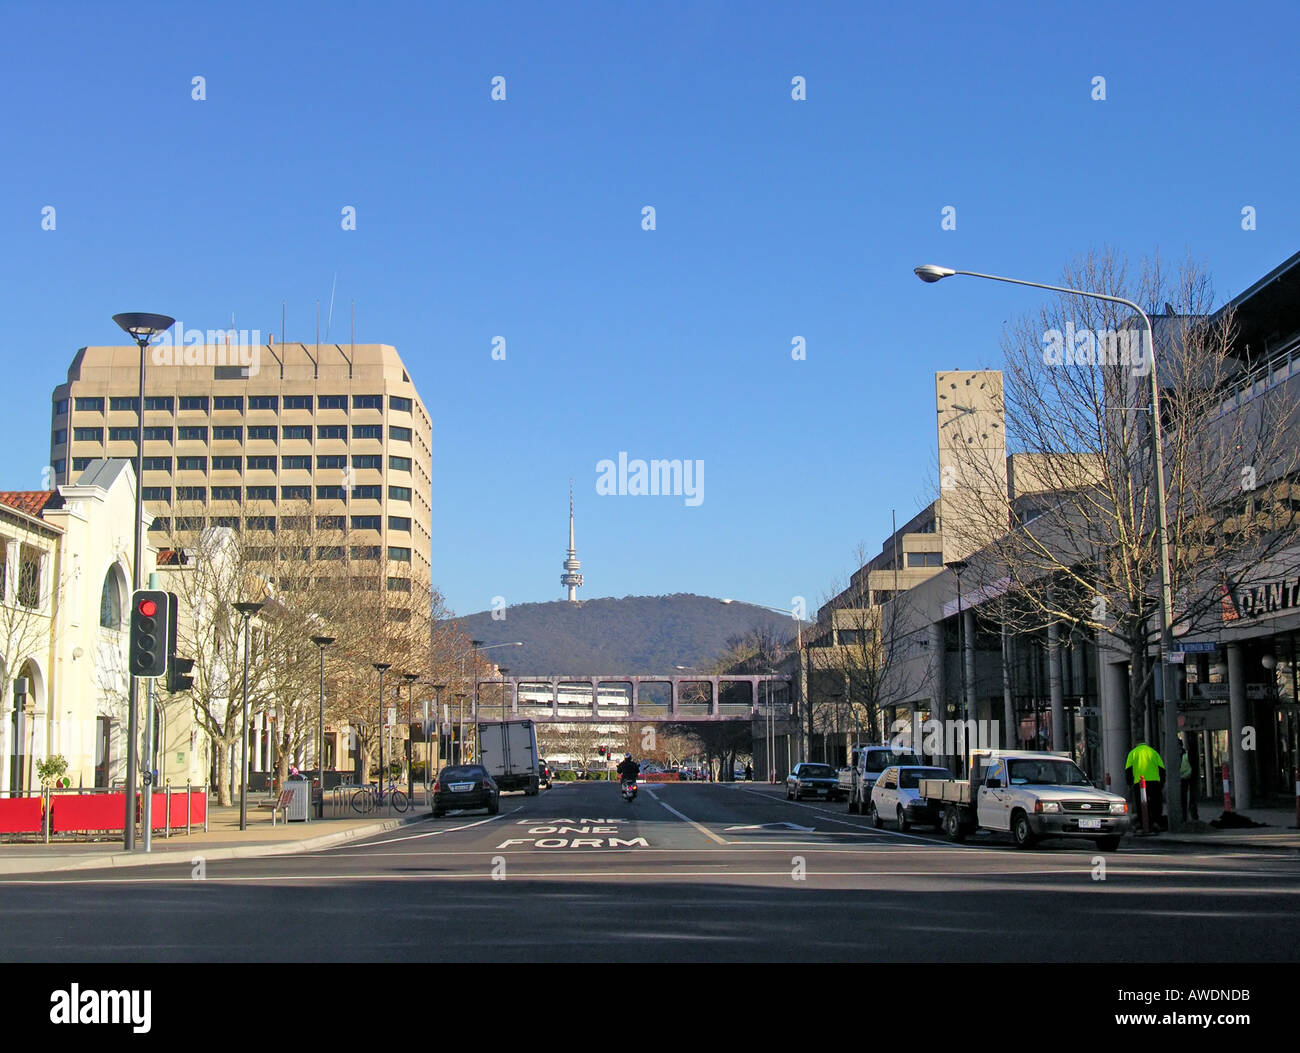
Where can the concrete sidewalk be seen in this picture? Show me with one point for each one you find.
(223, 840)
(1279, 833)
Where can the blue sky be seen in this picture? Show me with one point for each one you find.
(523, 219)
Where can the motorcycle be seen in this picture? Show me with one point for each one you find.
(629, 791)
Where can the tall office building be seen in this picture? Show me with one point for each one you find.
(336, 428)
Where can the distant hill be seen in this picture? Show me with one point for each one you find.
(639, 635)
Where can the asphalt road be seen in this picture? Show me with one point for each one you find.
(686, 872)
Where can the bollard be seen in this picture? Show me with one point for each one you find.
(1297, 798)
(45, 812)
(189, 806)
(1227, 789)
(167, 803)
(1146, 817)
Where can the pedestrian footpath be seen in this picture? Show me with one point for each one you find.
(1279, 831)
(222, 840)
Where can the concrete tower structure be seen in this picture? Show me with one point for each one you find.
(571, 579)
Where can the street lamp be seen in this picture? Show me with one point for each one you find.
(410, 679)
(141, 328)
(931, 273)
(459, 746)
(429, 740)
(322, 642)
(381, 666)
(246, 610)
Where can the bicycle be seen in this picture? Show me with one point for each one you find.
(366, 799)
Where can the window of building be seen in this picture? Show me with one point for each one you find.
(297, 431)
(58, 466)
(297, 402)
(192, 433)
(260, 523)
(399, 555)
(366, 460)
(161, 403)
(158, 434)
(262, 431)
(365, 551)
(332, 402)
(399, 523)
(365, 493)
(228, 402)
(329, 493)
(79, 463)
(156, 493)
(367, 431)
(399, 493)
(61, 407)
(330, 522)
(231, 522)
(925, 559)
(229, 432)
(89, 404)
(121, 434)
(191, 493)
(332, 431)
(260, 493)
(227, 464)
(198, 403)
(225, 493)
(161, 525)
(398, 614)
(264, 402)
(399, 434)
(329, 552)
(367, 402)
(60, 435)
(399, 464)
(295, 493)
(397, 402)
(399, 584)
(300, 463)
(191, 464)
(365, 522)
(301, 523)
(157, 464)
(88, 434)
(124, 403)
(331, 460)
(261, 464)
(190, 523)
(365, 584)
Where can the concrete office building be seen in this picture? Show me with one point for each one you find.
(339, 428)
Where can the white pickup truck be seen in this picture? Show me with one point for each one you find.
(1030, 795)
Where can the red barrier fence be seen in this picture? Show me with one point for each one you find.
(84, 813)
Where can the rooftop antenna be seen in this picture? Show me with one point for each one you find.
(330, 317)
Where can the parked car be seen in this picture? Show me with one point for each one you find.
(465, 786)
(897, 796)
(812, 780)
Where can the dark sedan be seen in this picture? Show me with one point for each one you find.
(812, 780)
(465, 786)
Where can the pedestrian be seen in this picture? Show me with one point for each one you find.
(749, 773)
(1190, 811)
(1145, 763)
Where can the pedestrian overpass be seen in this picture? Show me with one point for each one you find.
(623, 699)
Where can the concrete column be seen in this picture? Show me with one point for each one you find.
(1114, 724)
(1238, 718)
(1008, 695)
(939, 689)
(968, 645)
(1056, 686)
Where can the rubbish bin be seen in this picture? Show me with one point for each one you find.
(300, 800)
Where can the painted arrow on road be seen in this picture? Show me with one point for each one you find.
(770, 826)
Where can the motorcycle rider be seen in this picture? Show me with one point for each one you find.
(628, 770)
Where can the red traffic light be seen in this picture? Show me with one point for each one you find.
(148, 608)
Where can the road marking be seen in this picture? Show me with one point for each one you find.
(774, 826)
(687, 819)
(414, 837)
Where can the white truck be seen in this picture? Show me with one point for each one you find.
(1031, 795)
(508, 750)
(866, 764)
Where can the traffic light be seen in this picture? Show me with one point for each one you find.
(150, 632)
(602, 751)
(177, 667)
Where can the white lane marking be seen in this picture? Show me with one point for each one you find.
(775, 826)
(687, 819)
(413, 837)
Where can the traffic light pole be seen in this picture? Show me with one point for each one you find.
(147, 815)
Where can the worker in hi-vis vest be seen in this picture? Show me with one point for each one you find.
(1145, 763)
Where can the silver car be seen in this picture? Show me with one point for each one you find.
(897, 796)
